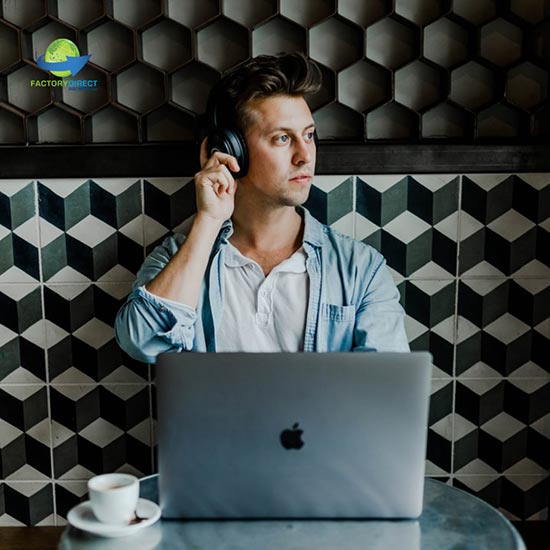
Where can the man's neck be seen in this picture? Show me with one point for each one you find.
(267, 230)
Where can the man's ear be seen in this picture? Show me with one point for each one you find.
(203, 158)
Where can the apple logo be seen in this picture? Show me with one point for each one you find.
(292, 439)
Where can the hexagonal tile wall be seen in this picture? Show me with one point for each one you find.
(87, 102)
(34, 11)
(336, 43)
(18, 89)
(447, 43)
(419, 85)
(191, 13)
(135, 13)
(54, 125)
(111, 45)
(477, 12)
(166, 45)
(472, 85)
(9, 53)
(446, 121)
(145, 96)
(168, 123)
(12, 127)
(278, 35)
(191, 84)
(364, 13)
(79, 15)
(307, 12)
(111, 125)
(249, 12)
(364, 85)
(222, 44)
(442, 58)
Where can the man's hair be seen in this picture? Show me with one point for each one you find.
(264, 76)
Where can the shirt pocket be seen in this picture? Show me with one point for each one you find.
(337, 324)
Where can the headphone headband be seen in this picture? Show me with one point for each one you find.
(224, 139)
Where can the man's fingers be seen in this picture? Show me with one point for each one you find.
(218, 174)
(218, 159)
(220, 180)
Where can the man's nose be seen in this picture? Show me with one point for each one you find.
(303, 152)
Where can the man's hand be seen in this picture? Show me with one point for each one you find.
(181, 279)
(215, 185)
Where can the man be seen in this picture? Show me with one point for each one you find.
(256, 272)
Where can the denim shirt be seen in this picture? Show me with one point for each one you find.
(353, 303)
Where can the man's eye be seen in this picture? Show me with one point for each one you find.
(282, 139)
(310, 135)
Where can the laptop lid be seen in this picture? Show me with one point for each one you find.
(292, 435)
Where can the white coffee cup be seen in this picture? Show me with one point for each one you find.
(114, 497)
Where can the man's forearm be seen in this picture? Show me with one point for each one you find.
(182, 277)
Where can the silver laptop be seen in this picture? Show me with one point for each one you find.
(292, 435)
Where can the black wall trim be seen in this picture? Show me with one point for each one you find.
(180, 159)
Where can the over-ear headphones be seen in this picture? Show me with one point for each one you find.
(224, 139)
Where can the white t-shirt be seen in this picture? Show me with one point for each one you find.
(263, 314)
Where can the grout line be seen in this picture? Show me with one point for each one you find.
(45, 350)
(455, 328)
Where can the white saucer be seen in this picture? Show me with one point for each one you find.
(82, 517)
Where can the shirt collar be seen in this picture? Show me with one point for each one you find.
(294, 264)
(313, 229)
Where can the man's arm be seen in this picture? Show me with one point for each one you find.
(182, 277)
(147, 324)
(160, 316)
(380, 318)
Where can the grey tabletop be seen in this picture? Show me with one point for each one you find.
(452, 519)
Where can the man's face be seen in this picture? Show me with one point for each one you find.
(281, 152)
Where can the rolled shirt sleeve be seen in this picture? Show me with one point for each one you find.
(146, 324)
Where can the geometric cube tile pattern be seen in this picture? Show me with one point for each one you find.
(470, 255)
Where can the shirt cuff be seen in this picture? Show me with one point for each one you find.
(164, 303)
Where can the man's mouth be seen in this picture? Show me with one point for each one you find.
(301, 178)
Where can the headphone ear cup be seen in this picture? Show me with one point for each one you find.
(232, 143)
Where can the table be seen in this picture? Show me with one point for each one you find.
(451, 519)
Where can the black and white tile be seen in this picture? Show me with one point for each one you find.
(90, 228)
(168, 204)
(331, 201)
(100, 429)
(430, 307)
(505, 223)
(19, 244)
(80, 338)
(474, 278)
(21, 334)
(413, 221)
